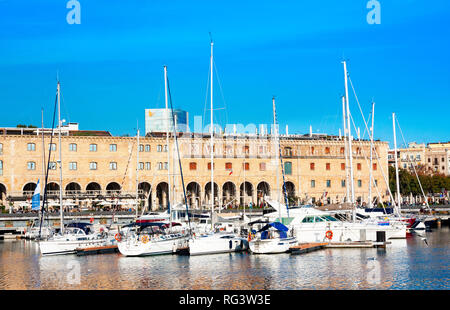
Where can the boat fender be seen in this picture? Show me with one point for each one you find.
(230, 244)
(118, 237)
(144, 239)
(329, 234)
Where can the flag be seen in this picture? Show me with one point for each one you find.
(230, 172)
(36, 199)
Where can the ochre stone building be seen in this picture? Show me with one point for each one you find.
(98, 169)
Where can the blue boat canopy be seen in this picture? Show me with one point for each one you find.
(276, 225)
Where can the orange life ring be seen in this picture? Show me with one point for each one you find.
(329, 234)
(144, 239)
(118, 237)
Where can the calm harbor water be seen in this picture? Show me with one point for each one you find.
(404, 264)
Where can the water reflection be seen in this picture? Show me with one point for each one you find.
(404, 264)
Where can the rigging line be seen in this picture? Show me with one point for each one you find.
(179, 158)
(221, 92)
(420, 184)
(206, 98)
(48, 167)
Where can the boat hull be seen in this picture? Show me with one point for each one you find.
(58, 247)
(212, 244)
(134, 247)
(272, 246)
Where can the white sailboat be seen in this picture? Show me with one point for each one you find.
(72, 238)
(154, 235)
(215, 242)
(274, 237)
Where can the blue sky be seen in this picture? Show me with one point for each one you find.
(111, 65)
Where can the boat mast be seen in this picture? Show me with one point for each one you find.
(43, 159)
(137, 171)
(371, 157)
(275, 133)
(60, 162)
(345, 149)
(350, 153)
(212, 136)
(167, 147)
(396, 164)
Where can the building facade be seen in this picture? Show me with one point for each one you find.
(103, 169)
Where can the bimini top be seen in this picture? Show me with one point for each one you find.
(276, 225)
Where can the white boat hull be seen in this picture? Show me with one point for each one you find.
(58, 247)
(215, 244)
(272, 246)
(134, 247)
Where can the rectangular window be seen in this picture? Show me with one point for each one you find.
(327, 150)
(311, 166)
(113, 165)
(165, 148)
(328, 183)
(52, 146)
(342, 150)
(72, 165)
(93, 148)
(1, 167)
(209, 166)
(141, 166)
(93, 165)
(72, 147)
(141, 148)
(359, 183)
(31, 147)
(262, 166)
(374, 167)
(31, 165)
(193, 166)
(159, 148)
(342, 183)
(1, 148)
(147, 147)
(313, 183)
(328, 166)
(288, 168)
(52, 165)
(113, 147)
(228, 166)
(358, 166)
(147, 165)
(342, 166)
(246, 166)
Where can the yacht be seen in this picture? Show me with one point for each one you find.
(312, 225)
(272, 238)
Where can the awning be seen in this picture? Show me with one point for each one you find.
(276, 225)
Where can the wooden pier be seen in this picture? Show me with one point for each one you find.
(303, 248)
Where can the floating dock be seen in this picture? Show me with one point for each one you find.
(303, 248)
(98, 250)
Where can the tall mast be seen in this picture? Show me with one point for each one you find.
(275, 132)
(167, 146)
(60, 162)
(212, 136)
(137, 172)
(43, 153)
(371, 157)
(345, 149)
(396, 165)
(350, 153)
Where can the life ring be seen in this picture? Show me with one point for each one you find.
(91, 220)
(329, 235)
(144, 239)
(118, 237)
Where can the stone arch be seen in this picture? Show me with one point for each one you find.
(93, 187)
(228, 193)
(162, 194)
(2, 192)
(29, 188)
(193, 193)
(73, 188)
(113, 188)
(290, 191)
(262, 190)
(208, 193)
(145, 189)
(247, 196)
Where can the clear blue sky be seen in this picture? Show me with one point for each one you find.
(111, 65)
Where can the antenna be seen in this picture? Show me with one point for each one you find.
(210, 36)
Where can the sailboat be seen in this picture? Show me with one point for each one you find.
(215, 242)
(153, 236)
(74, 236)
(274, 237)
